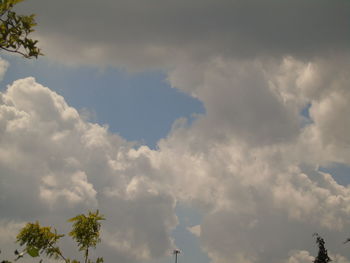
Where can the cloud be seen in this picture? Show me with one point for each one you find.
(195, 230)
(3, 68)
(302, 256)
(250, 163)
(157, 34)
(55, 165)
(76, 189)
(237, 97)
(8, 232)
(273, 78)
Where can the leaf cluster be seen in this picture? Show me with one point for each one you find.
(86, 229)
(39, 240)
(43, 241)
(15, 30)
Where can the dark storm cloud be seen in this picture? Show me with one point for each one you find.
(157, 31)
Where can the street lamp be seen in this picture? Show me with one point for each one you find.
(175, 252)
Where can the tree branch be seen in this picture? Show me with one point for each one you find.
(14, 51)
(59, 253)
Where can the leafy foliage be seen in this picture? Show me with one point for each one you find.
(43, 241)
(39, 240)
(86, 231)
(14, 31)
(322, 256)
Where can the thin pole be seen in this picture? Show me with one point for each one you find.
(175, 252)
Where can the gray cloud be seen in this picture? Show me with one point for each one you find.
(158, 33)
(264, 196)
(238, 99)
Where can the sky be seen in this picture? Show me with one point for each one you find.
(220, 128)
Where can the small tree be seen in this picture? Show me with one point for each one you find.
(39, 240)
(43, 241)
(14, 31)
(322, 256)
(86, 231)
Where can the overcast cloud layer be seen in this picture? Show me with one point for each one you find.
(251, 164)
(144, 34)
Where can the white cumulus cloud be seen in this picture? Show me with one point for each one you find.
(55, 165)
(273, 78)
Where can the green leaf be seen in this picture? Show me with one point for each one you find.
(33, 252)
(86, 230)
(14, 30)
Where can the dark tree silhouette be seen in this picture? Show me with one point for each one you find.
(322, 256)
